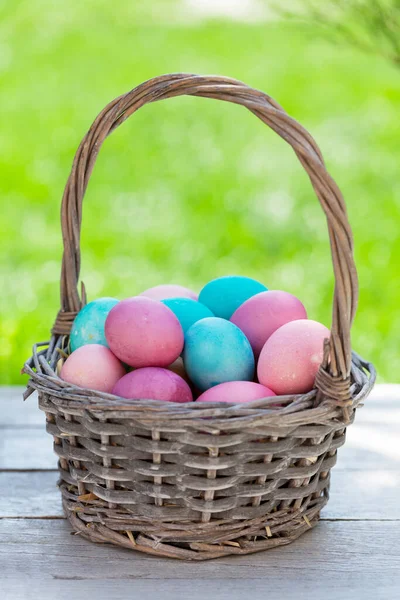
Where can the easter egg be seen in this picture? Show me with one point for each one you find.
(236, 392)
(225, 294)
(187, 311)
(88, 326)
(217, 351)
(264, 313)
(291, 357)
(153, 383)
(93, 366)
(179, 368)
(144, 333)
(162, 292)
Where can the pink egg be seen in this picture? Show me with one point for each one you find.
(291, 357)
(153, 383)
(236, 392)
(93, 366)
(264, 313)
(162, 292)
(144, 333)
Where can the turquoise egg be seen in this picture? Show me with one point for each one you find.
(88, 326)
(217, 351)
(187, 311)
(225, 294)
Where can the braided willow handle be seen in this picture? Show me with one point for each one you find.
(336, 368)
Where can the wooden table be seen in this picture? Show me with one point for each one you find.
(353, 553)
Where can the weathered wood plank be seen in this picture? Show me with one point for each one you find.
(369, 588)
(40, 554)
(29, 494)
(354, 495)
(14, 412)
(24, 449)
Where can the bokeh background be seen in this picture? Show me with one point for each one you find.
(190, 189)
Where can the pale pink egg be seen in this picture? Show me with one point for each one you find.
(291, 357)
(153, 383)
(264, 313)
(236, 392)
(93, 366)
(144, 333)
(162, 292)
(179, 368)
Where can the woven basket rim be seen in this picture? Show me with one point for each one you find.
(363, 372)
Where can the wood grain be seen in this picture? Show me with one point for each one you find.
(41, 552)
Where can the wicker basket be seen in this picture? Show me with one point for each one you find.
(182, 480)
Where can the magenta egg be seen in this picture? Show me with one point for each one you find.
(264, 313)
(163, 292)
(144, 333)
(92, 366)
(291, 357)
(236, 392)
(153, 383)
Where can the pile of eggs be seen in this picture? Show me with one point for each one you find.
(235, 342)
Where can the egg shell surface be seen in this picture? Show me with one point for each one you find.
(291, 357)
(217, 351)
(264, 313)
(153, 383)
(88, 326)
(94, 367)
(179, 368)
(236, 392)
(224, 295)
(187, 311)
(162, 292)
(144, 333)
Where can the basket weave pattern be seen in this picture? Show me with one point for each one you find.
(181, 480)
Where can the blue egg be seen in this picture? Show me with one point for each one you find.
(88, 326)
(187, 311)
(217, 351)
(225, 294)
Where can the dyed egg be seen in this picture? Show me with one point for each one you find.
(236, 392)
(291, 357)
(179, 368)
(264, 313)
(217, 351)
(162, 292)
(225, 294)
(88, 326)
(153, 383)
(187, 311)
(144, 333)
(93, 366)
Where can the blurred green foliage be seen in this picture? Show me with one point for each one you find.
(190, 189)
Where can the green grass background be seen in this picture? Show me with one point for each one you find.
(190, 189)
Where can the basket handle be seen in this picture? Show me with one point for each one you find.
(334, 375)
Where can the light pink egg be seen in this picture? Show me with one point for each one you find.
(291, 357)
(162, 292)
(153, 383)
(93, 366)
(236, 392)
(179, 368)
(264, 313)
(144, 333)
